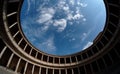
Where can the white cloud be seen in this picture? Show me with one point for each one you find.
(71, 23)
(60, 24)
(66, 8)
(77, 10)
(72, 39)
(77, 16)
(48, 23)
(72, 2)
(46, 15)
(44, 18)
(36, 33)
(83, 36)
(87, 45)
(28, 1)
(48, 10)
(69, 16)
(74, 17)
(48, 45)
(45, 28)
(32, 31)
(61, 4)
(84, 19)
(83, 4)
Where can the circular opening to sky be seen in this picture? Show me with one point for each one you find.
(62, 27)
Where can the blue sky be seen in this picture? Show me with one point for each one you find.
(62, 27)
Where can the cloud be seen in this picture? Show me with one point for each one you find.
(48, 45)
(87, 45)
(69, 16)
(44, 18)
(48, 10)
(66, 8)
(44, 28)
(34, 32)
(77, 16)
(46, 15)
(72, 39)
(61, 24)
(28, 1)
(27, 25)
(74, 17)
(48, 23)
(83, 4)
(84, 35)
(61, 4)
(84, 19)
(72, 2)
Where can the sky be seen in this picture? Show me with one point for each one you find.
(62, 27)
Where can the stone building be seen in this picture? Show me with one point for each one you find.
(18, 56)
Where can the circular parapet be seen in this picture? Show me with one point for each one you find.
(18, 54)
